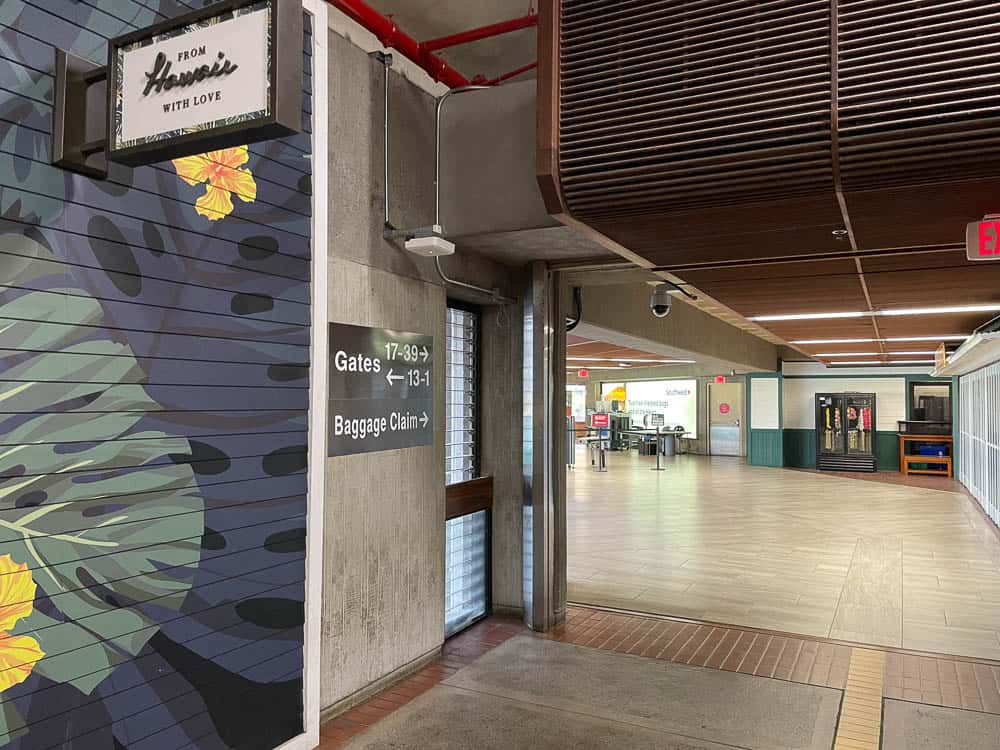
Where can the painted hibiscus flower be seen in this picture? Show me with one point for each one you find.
(18, 653)
(221, 170)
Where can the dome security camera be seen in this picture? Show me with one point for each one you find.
(659, 303)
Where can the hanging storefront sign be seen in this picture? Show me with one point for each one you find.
(226, 75)
(982, 239)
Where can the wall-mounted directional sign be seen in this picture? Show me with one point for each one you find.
(381, 390)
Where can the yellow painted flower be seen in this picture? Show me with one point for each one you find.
(18, 653)
(221, 170)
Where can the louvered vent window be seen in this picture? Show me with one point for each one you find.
(465, 570)
(462, 397)
(667, 105)
(919, 90)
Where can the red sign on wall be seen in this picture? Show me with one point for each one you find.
(982, 239)
(720, 379)
(583, 373)
(600, 420)
(723, 408)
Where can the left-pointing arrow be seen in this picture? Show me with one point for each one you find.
(391, 379)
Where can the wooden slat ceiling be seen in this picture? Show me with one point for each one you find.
(783, 156)
(583, 353)
(917, 280)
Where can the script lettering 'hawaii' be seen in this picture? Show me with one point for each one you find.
(161, 79)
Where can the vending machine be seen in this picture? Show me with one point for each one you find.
(845, 432)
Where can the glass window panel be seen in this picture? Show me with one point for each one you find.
(465, 571)
(461, 396)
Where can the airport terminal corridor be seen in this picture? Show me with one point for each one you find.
(881, 560)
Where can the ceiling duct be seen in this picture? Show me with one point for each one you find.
(692, 131)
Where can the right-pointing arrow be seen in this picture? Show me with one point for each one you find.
(424, 353)
(424, 420)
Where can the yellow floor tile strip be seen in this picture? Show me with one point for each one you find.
(860, 725)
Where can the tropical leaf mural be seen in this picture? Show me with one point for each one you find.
(107, 523)
(154, 369)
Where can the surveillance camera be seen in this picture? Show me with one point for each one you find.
(660, 302)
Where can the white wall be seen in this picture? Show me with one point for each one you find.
(799, 399)
(765, 402)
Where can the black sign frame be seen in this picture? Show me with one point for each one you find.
(285, 92)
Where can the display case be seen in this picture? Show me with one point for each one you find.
(845, 432)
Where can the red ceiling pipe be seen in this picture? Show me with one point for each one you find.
(506, 76)
(390, 35)
(483, 32)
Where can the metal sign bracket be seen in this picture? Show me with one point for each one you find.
(79, 116)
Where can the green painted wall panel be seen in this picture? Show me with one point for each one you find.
(799, 448)
(887, 451)
(766, 448)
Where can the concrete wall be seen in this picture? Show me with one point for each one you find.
(625, 308)
(383, 596)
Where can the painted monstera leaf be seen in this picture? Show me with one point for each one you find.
(108, 523)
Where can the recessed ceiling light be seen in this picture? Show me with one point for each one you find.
(658, 361)
(595, 367)
(889, 313)
(849, 354)
(941, 310)
(633, 361)
(876, 354)
(835, 341)
(883, 362)
(810, 316)
(948, 337)
(898, 339)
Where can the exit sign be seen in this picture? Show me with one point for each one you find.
(982, 239)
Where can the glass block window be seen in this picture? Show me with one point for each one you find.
(461, 395)
(465, 571)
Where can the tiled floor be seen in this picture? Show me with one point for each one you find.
(877, 560)
(956, 683)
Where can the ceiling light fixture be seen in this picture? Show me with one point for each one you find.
(883, 362)
(596, 367)
(835, 341)
(886, 313)
(948, 337)
(848, 354)
(633, 361)
(809, 316)
(940, 310)
(658, 361)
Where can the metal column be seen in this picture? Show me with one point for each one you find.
(544, 449)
